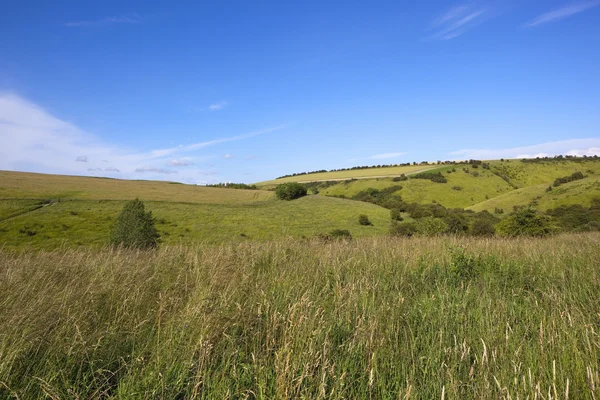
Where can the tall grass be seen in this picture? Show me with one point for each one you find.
(377, 318)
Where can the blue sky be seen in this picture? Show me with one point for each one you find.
(205, 92)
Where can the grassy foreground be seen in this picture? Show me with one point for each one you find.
(376, 318)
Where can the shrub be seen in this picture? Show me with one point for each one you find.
(456, 224)
(456, 187)
(431, 226)
(396, 214)
(526, 222)
(290, 191)
(403, 229)
(134, 227)
(336, 234)
(482, 227)
(364, 220)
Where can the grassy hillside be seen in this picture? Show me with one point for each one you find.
(369, 319)
(504, 184)
(352, 174)
(21, 185)
(577, 192)
(463, 189)
(209, 215)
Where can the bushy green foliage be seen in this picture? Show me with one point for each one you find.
(336, 234)
(403, 228)
(436, 177)
(396, 214)
(457, 223)
(526, 222)
(482, 227)
(363, 219)
(566, 179)
(290, 191)
(431, 226)
(134, 227)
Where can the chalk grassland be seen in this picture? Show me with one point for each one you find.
(21, 185)
(88, 223)
(576, 192)
(356, 173)
(376, 318)
(504, 183)
(471, 189)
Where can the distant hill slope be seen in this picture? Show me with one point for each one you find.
(46, 186)
(577, 192)
(349, 174)
(473, 187)
(49, 211)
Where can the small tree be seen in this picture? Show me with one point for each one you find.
(364, 220)
(134, 227)
(290, 191)
(526, 222)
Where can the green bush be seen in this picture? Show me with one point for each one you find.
(403, 228)
(482, 227)
(431, 226)
(290, 191)
(364, 220)
(336, 234)
(134, 227)
(396, 214)
(526, 222)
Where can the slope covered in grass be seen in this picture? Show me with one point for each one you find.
(463, 189)
(20, 185)
(577, 192)
(83, 223)
(369, 319)
(350, 174)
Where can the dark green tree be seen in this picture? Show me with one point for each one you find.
(290, 191)
(526, 222)
(134, 227)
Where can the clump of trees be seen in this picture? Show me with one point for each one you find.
(290, 191)
(134, 227)
(436, 177)
(566, 179)
(526, 222)
(234, 186)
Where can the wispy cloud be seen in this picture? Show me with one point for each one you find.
(156, 170)
(132, 18)
(562, 13)
(31, 139)
(579, 147)
(81, 159)
(181, 162)
(456, 21)
(218, 106)
(227, 156)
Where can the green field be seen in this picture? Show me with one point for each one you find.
(82, 210)
(375, 318)
(352, 174)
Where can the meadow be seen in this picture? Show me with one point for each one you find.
(372, 318)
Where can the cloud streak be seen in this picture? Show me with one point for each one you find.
(218, 106)
(132, 18)
(561, 13)
(456, 22)
(578, 147)
(33, 140)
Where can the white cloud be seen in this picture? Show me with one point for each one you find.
(456, 21)
(181, 162)
(95, 169)
(561, 13)
(81, 159)
(385, 156)
(218, 106)
(132, 18)
(31, 139)
(581, 147)
(227, 156)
